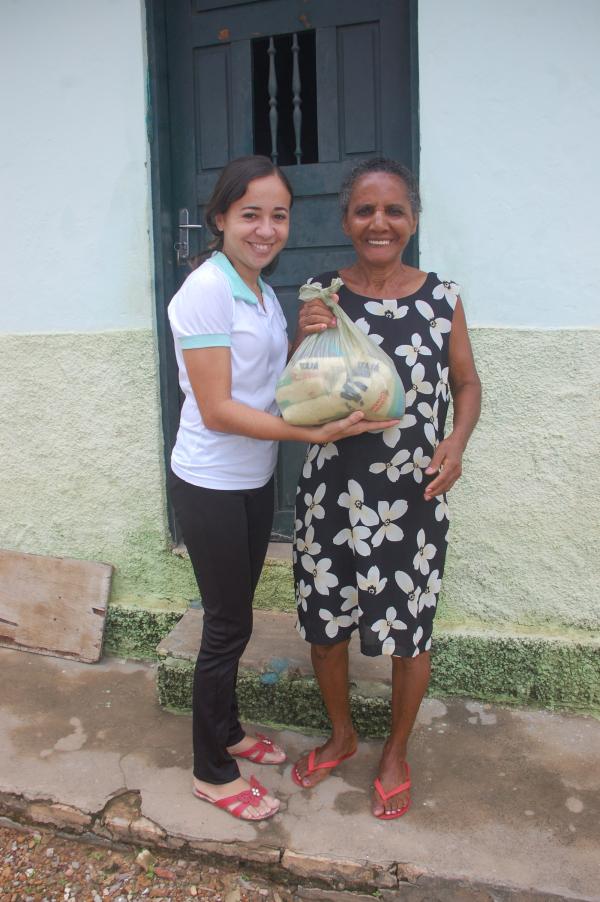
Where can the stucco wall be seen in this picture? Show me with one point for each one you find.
(74, 237)
(81, 453)
(81, 469)
(510, 122)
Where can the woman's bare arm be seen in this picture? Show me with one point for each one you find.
(209, 372)
(466, 396)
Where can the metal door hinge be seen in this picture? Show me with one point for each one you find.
(183, 245)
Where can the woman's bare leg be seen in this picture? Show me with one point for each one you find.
(330, 664)
(410, 678)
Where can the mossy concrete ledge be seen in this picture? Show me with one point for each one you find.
(134, 632)
(276, 684)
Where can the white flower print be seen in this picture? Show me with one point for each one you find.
(442, 385)
(424, 554)
(442, 510)
(448, 290)
(416, 465)
(388, 529)
(326, 452)
(364, 326)
(411, 352)
(302, 593)
(389, 646)
(334, 623)
(308, 461)
(391, 467)
(350, 596)
(428, 644)
(355, 538)
(429, 596)
(307, 545)
(350, 605)
(391, 622)
(413, 592)
(437, 325)
(301, 629)
(389, 309)
(323, 580)
(371, 583)
(354, 500)
(313, 505)
(391, 435)
(417, 636)
(419, 386)
(431, 415)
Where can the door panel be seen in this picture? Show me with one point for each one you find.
(362, 106)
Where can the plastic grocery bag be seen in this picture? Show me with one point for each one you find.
(337, 371)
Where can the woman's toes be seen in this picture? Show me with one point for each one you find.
(276, 755)
(378, 808)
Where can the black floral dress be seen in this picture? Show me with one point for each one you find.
(369, 551)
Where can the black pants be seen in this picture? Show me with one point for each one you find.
(226, 534)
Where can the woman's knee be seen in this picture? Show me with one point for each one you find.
(412, 665)
(327, 652)
(223, 636)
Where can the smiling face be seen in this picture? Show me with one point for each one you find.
(255, 228)
(379, 220)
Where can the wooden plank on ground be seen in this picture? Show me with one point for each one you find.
(53, 606)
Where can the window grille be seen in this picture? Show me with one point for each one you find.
(284, 94)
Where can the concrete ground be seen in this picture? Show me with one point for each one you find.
(502, 797)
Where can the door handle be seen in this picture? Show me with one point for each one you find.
(183, 245)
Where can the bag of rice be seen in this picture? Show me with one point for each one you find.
(337, 371)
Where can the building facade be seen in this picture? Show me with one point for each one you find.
(503, 111)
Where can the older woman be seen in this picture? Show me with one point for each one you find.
(371, 515)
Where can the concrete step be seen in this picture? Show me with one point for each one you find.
(276, 675)
(276, 683)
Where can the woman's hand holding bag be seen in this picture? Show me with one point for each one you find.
(337, 371)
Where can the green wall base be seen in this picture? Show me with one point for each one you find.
(133, 632)
(532, 670)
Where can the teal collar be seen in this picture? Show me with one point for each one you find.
(239, 289)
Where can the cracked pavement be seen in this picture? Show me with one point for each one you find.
(502, 797)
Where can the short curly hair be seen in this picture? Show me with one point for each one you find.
(380, 164)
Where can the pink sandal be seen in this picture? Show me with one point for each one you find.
(312, 767)
(384, 796)
(241, 800)
(263, 746)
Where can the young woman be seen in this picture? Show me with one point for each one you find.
(384, 523)
(231, 346)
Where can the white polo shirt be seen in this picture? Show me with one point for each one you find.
(214, 308)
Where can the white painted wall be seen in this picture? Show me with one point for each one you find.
(74, 232)
(510, 172)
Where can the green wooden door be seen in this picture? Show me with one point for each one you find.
(318, 84)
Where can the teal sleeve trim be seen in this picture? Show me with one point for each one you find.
(205, 341)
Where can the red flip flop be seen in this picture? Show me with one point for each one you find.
(384, 796)
(263, 746)
(242, 800)
(312, 767)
